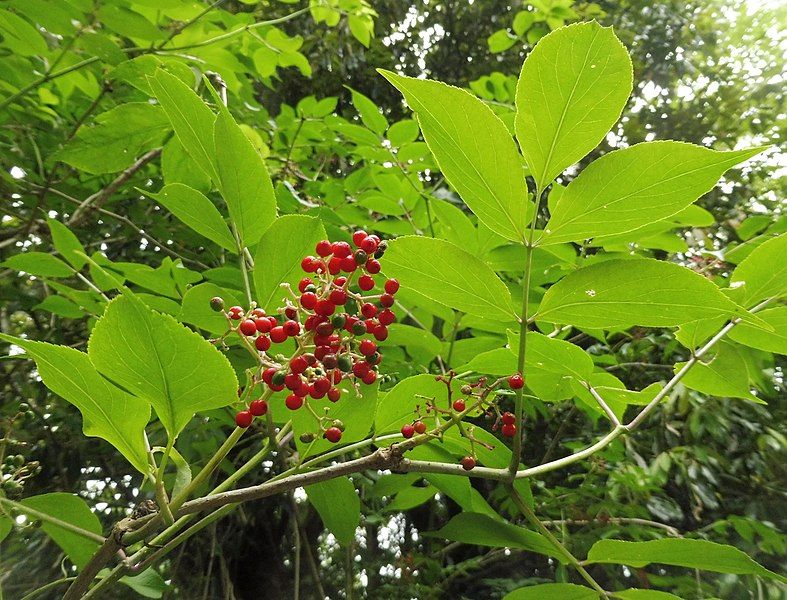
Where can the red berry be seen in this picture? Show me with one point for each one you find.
(368, 245)
(380, 333)
(243, 418)
(408, 431)
(361, 368)
(322, 385)
(303, 284)
(323, 248)
(302, 389)
(334, 394)
(359, 236)
(340, 281)
(338, 297)
(248, 327)
(262, 343)
(329, 361)
(419, 426)
(337, 376)
(468, 463)
(333, 434)
(335, 265)
(365, 282)
(324, 308)
(293, 402)
(257, 313)
(292, 381)
(508, 430)
(309, 264)
(509, 418)
(309, 300)
(392, 286)
(298, 364)
(373, 266)
(235, 312)
(291, 312)
(258, 408)
(386, 317)
(386, 300)
(348, 264)
(369, 378)
(273, 321)
(516, 381)
(341, 249)
(324, 329)
(267, 375)
(262, 324)
(292, 328)
(368, 310)
(350, 323)
(368, 347)
(459, 405)
(278, 335)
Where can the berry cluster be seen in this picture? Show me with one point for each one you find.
(477, 394)
(328, 320)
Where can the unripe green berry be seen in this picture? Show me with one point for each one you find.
(217, 304)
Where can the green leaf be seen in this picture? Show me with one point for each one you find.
(360, 28)
(155, 357)
(370, 112)
(552, 591)
(500, 41)
(245, 182)
(634, 187)
(635, 594)
(19, 36)
(762, 274)
(195, 210)
(119, 136)
(403, 132)
(679, 552)
(626, 292)
(339, 507)
(482, 530)
(67, 244)
(279, 254)
(410, 497)
(147, 584)
(196, 309)
(450, 276)
(398, 405)
(191, 119)
(767, 341)
(725, 375)
(412, 337)
(553, 355)
(107, 411)
(5, 527)
(177, 166)
(75, 511)
(474, 150)
(571, 91)
(39, 264)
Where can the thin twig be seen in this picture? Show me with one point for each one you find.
(101, 196)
